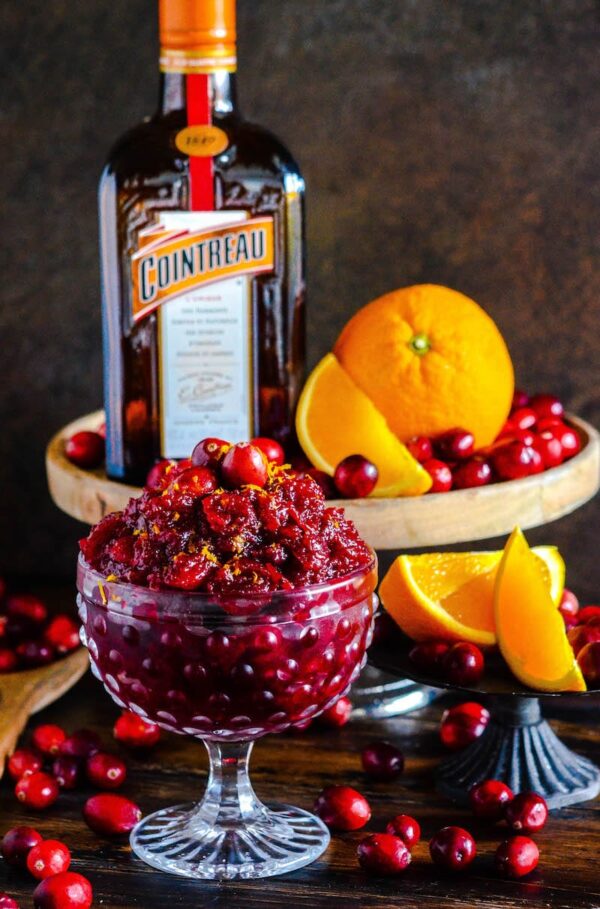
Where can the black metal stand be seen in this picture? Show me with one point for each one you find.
(520, 748)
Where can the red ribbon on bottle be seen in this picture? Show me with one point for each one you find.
(199, 113)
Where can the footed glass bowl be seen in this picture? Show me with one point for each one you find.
(227, 670)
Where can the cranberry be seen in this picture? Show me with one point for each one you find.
(158, 475)
(384, 628)
(18, 843)
(383, 853)
(110, 814)
(67, 890)
(24, 762)
(520, 399)
(441, 475)
(527, 812)
(582, 635)
(516, 460)
(35, 653)
(488, 799)
(428, 656)
(26, 606)
(8, 660)
(338, 714)
(131, 729)
(549, 449)
(523, 418)
(517, 856)
(382, 760)
(48, 738)
(463, 664)
(342, 808)
(271, 449)
(420, 448)
(81, 744)
(63, 634)
(589, 663)
(38, 791)
(546, 406)
(462, 724)
(405, 826)
(548, 423)
(355, 477)
(455, 445)
(47, 858)
(106, 771)
(472, 473)
(568, 438)
(588, 614)
(7, 902)
(324, 481)
(85, 449)
(244, 465)
(66, 771)
(209, 453)
(452, 848)
(569, 606)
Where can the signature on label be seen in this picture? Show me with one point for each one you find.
(197, 386)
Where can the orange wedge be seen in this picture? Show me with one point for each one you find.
(336, 419)
(531, 632)
(450, 595)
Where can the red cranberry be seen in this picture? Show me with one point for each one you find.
(355, 477)
(106, 771)
(324, 481)
(244, 465)
(342, 808)
(420, 448)
(516, 460)
(271, 449)
(548, 423)
(67, 890)
(85, 449)
(338, 714)
(549, 449)
(582, 635)
(32, 654)
(382, 760)
(523, 418)
(473, 473)
(210, 452)
(526, 813)
(63, 634)
(463, 664)
(24, 762)
(38, 791)
(7, 902)
(516, 857)
(441, 475)
(569, 606)
(81, 744)
(66, 771)
(18, 843)
(136, 732)
(428, 656)
(588, 614)
(455, 445)
(452, 848)
(384, 628)
(589, 663)
(405, 826)
(546, 406)
(48, 738)
(111, 815)
(158, 475)
(462, 724)
(520, 399)
(47, 858)
(488, 799)
(26, 606)
(8, 660)
(568, 438)
(383, 853)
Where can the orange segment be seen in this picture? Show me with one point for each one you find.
(335, 419)
(531, 631)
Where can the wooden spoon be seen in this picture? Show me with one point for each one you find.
(24, 693)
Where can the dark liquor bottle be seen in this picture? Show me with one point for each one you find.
(202, 244)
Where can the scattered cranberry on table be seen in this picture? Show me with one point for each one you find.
(440, 473)
(24, 762)
(47, 858)
(48, 738)
(383, 853)
(7, 902)
(17, 843)
(111, 815)
(271, 449)
(406, 827)
(589, 663)
(517, 857)
(38, 791)
(342, 808)
(338, 714)
(106, 771)
(452, 848)
(80, 744)
(355, 477)
(85, 449)
(489, 799)
(382, 760)
(527, 812)
(67, 771)
(463, 664)
(67, 890)
(132, 730)
(463, 724)
(244, 465)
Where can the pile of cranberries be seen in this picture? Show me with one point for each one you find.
(583, 631)
(460, 663)
(29, 637)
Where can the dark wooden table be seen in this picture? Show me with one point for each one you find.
(294, 768)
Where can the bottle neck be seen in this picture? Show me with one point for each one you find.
(221, 88)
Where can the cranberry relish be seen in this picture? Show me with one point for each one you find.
(191, 529)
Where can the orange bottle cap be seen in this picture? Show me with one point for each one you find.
(197, 35)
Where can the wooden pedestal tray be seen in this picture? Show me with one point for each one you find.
(405, 523)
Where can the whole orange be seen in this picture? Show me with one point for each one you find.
(430, 359)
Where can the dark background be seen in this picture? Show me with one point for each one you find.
(446, 142)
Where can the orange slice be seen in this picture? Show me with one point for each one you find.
(336, 419)
(531, 631)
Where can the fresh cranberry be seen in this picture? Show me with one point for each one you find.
(136, 732)
(7, 902)
(452, 848)
(244, 465)
(24, 762)
(523, 418)
(549, 449)
(569, 439)
(158, 476)
(271, 449)
(455, 445)
(8, 660)
(67, 890)
(342, 808)
(428, 656)
(589, 663)
(383, 853)
(210, 452)
(85, 449)
(405, 826)
(463, 724)
(32, 654)
(441, 475)
(472, 473)
(569, 606)
(66, 771)
(48, 738)
(338, 714)
(516, 460)
(384, 628)
(47, 858)
(38, 791)
(27, 606)
(18, 843)
(324, 481)
(106, 771)
(516, 857)
(420, 448)
(588, 614)
(548, 423)
(81, 744)
(546, 406)
(526, 813)
(111, 815)
(463, 664)
(355, 477)
(520, 399)
(63, 634)
(488, 799)
(582, 635)
(382, 760)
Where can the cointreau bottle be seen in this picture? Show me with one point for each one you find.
(202, 242)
